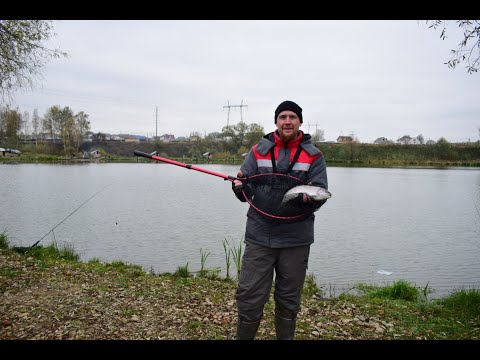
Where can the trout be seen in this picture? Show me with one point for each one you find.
(316, 193)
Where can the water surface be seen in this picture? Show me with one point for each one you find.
(421, 225)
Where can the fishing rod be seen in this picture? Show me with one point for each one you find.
(223, 176)
(190, 167)
(91, 197)
(248, 197)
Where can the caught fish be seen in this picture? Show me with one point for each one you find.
(316, 193)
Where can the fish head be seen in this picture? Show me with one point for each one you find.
(320, 194)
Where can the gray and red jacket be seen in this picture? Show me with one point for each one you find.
(310, 167)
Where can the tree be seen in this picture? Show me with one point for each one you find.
(23, 53)
(420, 139)
(71, 128)
(26, 124)
(234, 135)
(254, 135)
(68, 129)
(36, 121)
(83, 126)
(99, 137)
(52, 121)
(318, 135)
(468, 50)
(214, 136)
(10, 125)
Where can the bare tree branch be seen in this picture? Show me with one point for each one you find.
(23, 53)
(468, 50)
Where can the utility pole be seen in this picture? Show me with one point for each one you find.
(241, 105)
(228, 114)
(156, 122)
(234, 106)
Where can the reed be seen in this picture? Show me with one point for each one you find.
(203, 258)
(236, 252)
(205, 272)
(227, 257)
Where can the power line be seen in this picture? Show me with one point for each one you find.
(228, 106)
(308, 127)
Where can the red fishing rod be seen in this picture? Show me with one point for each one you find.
(248, 197)
(192, 167)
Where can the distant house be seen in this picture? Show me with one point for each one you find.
(430, 142)
(167, 137)
(95, 154)
(344, 139)
(381, 140)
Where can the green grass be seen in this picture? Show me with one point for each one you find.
(399, 290)
(8, 272)
(401, 304)
(464, 301)
(3, 240)
(310, 287)
(182, 272)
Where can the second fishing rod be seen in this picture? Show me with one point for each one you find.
(61, 222)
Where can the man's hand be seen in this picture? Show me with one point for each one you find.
(237, 187)
(308, 200)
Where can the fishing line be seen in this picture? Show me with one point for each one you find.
(91, 197)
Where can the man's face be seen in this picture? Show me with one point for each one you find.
(288, 124)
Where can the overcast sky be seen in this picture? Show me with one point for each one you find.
(367, 78)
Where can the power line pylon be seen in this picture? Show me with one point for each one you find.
(228, 106)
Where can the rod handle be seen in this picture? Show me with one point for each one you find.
(141, 153)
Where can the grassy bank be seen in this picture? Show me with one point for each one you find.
(56, 159)
(48, 294)
(440, 154)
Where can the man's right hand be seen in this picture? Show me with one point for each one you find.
(237, 187)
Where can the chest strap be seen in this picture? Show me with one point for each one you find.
(290, 167)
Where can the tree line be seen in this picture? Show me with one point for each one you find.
(57, 123)
(40, 134)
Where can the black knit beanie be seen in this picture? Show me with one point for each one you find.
(289, 105)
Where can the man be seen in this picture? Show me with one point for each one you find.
(277, 247)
